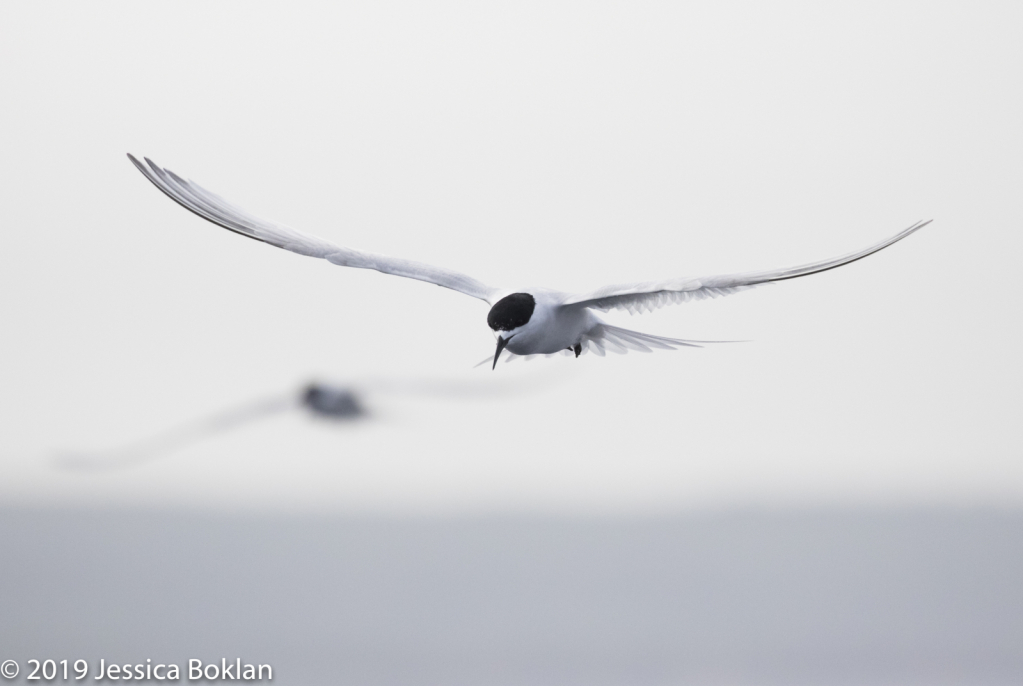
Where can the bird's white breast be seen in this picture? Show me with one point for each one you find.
(552, 328)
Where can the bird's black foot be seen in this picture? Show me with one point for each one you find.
(578, 348)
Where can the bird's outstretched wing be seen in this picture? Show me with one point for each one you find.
(197, 199)
(648, 296)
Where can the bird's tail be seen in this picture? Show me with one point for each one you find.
(604, 337)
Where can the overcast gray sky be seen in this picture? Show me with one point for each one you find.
(553, 144)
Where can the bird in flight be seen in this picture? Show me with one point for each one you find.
(526, 321)
(353, 401)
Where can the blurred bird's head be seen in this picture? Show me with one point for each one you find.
(333, 402)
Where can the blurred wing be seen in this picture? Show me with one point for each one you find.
(197, 199)
(175, 438)
(637, 297)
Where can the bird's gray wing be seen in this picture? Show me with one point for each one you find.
(648, 296)
(197, 199)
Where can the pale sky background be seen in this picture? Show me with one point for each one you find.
(560, 145)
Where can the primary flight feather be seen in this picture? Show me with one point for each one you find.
(527, 321)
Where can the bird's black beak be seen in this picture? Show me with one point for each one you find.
(501, 342)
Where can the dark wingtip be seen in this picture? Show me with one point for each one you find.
(134, 161)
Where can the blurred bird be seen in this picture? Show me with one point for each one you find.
(339, 403)
(526, 321)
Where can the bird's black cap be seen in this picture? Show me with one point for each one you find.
(511, 312)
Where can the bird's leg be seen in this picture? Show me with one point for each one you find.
(578, 348)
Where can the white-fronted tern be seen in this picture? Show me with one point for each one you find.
(354, 401)
(526, 321)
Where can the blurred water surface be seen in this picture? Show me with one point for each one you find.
(742, 597)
